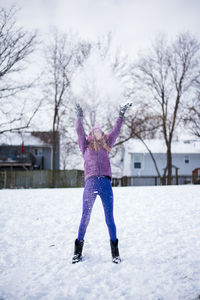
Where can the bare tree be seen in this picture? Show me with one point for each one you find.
(165, 77)
(16, 45)
(63, 56)
(192, 115)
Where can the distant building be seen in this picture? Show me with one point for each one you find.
(138, 162)
(28, 150)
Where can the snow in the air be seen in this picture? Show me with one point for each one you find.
(159, 242)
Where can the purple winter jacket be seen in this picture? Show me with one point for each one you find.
(97, 163)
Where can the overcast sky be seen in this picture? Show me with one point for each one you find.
(134, 23)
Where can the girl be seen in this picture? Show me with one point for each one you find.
(95, 150)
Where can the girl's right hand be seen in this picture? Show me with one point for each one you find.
(79, 110)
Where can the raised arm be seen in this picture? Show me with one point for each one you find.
(80, 129)
(111, 138)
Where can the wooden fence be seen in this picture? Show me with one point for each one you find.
(75, 178)
(41, 179)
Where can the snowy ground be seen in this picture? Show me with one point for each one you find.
(159, 242)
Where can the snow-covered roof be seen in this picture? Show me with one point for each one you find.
(159, 146)
(15, 139)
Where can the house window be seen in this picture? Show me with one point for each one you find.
(37, 151)
(137, 165)
(187, 159)
(137, 162)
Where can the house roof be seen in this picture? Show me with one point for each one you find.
(159, 146)
(36, 139)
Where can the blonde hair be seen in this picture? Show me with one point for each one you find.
(95, 144)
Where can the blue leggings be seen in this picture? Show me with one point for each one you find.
(97, 185)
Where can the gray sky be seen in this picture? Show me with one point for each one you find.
(134, 23)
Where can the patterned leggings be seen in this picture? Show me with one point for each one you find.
(97, 185)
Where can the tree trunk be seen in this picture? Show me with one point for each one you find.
(54, 158)
(169, 166)
(163, 180)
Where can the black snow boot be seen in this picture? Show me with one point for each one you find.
(115, 252)
(78, 247)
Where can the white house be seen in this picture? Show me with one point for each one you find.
(138, 162)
